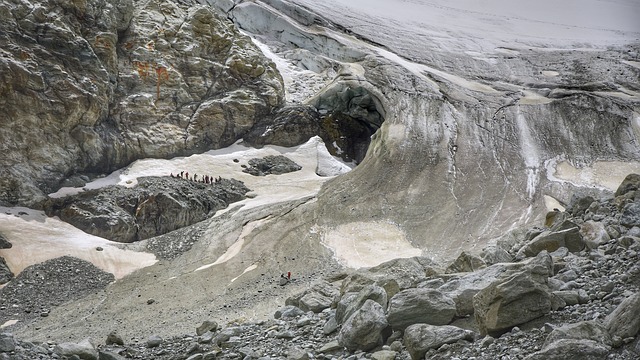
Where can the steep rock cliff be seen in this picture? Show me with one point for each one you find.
(89, 86)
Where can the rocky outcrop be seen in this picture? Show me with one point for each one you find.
(565, 234)
(271, 164)
(5, 273)
(291, 126)
(155, 206)
(112, 82)
(571, 349)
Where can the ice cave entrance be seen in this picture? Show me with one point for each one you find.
(349, 117)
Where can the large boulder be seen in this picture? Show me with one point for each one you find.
(393, 275)
(571, 349)
(465, 262)
(630, 183)
(419, 338)
(364, 330)
(7, 342)
(624, 321)
(350, 304)
(271, 164)
(462, 289)
(415, 306)
(594, 234)
(515, 300)
(83, 350)
(115, 81)
(318, 297)
(584, 330)
(567, 234)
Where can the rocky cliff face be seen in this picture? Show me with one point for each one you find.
(89, 86)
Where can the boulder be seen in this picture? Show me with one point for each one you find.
(393, 275)
(350, 304)
(493, 254)
(114, 339)
(108, 355)
(384, 355)
(594, 234)
(515, 300)
(271, 164)
(5, 273)
(419, 338)
(630, 183)
(463, 289)
(579, 204)
(206, 326)
(415, 306)
(631, 215)
(364, 329)
(624, 321)
(465, 262)
(154, 341)
(320, 296)
(571, 349)
(289, 311)
(567, 234)
(84, 350)
(315, 302)
(7, 342)
(584, 330)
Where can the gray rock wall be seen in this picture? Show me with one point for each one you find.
(94, 85)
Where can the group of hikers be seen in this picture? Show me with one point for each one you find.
(205, 179)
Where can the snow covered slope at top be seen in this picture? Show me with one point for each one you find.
(472, 25)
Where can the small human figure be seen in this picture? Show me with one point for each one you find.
(195, 177)
(288, 275)
(181, 174)
(172, 175)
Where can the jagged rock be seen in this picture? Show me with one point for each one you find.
(515, 300)
(594, 234)
(330, 326)
(133, 80)
(5, 273)
(7, 342)
(463, 289)
(157, 205)
(571, 349)
(392, 276)
(154, 341)
(271, 164)
(571, 297)
(330, 347)
(296, 353)
(289, 311)
(84, 350)
(291, 126)
(567, 234)
(419, 338)
(624, 321)
(584, 330)
(350, 304)
(631, 215)
(206, 326)
(364, 329)
(465, 262)
(414, 306)
(579, 204)
(630, 183)
(114, 339)
(4, 243)
(384, 355)
(319, 297)
(493, 254)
